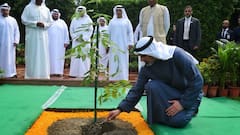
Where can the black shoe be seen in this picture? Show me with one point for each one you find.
(15, 76)
(195, 113)
(144, 93)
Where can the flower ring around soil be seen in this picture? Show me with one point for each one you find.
(81, 123)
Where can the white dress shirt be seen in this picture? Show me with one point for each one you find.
(187, 23)
(224, 33)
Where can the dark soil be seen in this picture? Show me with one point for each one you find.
(78, 126)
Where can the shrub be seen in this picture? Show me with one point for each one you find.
(209, 12)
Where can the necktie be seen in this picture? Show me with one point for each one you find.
(223, 33)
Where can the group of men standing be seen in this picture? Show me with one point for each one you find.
(120, 32)
(45, 41)
(47, 38)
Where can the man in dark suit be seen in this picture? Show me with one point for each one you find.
(188, 31)
(226, 32)
(237, 32)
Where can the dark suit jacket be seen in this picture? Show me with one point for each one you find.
(229, 35)
(194, 33)
(237, 34)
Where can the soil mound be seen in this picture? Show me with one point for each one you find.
(79, 126)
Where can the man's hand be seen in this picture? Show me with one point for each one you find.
(113, 114)
(130, 47)
(40, 24)
(65, 45)
(107, 49)
(174, 108)
(195, 47)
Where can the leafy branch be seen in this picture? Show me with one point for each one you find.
(114, 91)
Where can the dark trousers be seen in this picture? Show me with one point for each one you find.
(158, 95)
(186, 46)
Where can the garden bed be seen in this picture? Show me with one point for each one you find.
(52, 123)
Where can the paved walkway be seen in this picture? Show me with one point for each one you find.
(21, 72)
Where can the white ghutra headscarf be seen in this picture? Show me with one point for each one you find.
(5, 6)
(56, 11)
(124, 14)
(102, 18)
(81, 9)
(149, 46)
(34, 2)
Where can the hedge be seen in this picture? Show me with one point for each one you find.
(209, 12)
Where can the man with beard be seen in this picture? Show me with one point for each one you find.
(58, 41)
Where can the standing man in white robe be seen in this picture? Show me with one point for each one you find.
(58, 41)
(103, 50)
(154, 20)
(37, 18)
(121, 33)
(9, 38)
(80, 30)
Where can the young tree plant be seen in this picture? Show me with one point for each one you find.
(112, 90)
